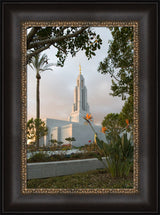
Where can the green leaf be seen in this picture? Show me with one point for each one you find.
(99, 143)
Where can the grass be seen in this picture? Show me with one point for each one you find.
(88, 180)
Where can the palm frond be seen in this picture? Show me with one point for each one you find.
(40, 63)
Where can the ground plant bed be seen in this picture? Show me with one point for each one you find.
(40, 157)
(89, 180)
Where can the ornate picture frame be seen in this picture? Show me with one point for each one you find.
(18, 17)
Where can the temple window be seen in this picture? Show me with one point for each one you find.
(81, 83)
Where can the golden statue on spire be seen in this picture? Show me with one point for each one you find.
(79, 68)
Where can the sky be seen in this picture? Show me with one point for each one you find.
(57, 86)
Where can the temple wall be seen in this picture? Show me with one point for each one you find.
(51, 123)
(66, 131)
(82, 134)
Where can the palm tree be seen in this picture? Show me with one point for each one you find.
(39, 64)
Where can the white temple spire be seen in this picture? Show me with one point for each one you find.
(80, 107)
(79, 68)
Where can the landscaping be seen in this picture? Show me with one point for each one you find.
(100, 179)
(43, 157)
(118, 153)
(60, 153)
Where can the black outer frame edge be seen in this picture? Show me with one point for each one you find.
(1, 109)
(158, 106)
(21, 199)
(82, 1)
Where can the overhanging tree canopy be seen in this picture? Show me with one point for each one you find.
(64, 39)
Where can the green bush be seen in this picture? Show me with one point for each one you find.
(42, 157)
(83, 155)
(119, 155)
(39, 157)
(58, 157)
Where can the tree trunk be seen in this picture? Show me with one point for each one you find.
(38, 108)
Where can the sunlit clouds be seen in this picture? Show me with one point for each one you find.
(57, 86)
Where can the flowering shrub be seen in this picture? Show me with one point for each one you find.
(118, 150)
(66, 146)
(44, 157)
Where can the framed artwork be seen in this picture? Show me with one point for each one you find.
(80, 107)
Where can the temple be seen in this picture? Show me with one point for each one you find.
(76, 125)
(80, 107)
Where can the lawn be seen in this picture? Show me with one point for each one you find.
(88, 180)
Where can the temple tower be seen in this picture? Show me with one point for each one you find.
(80, 106)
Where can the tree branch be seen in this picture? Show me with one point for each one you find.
(31, 34)
(37, 51)
(62, 30)
(114, 76)
(58, 47)
(54, 40)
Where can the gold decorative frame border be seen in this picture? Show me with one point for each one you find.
(24, 188)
